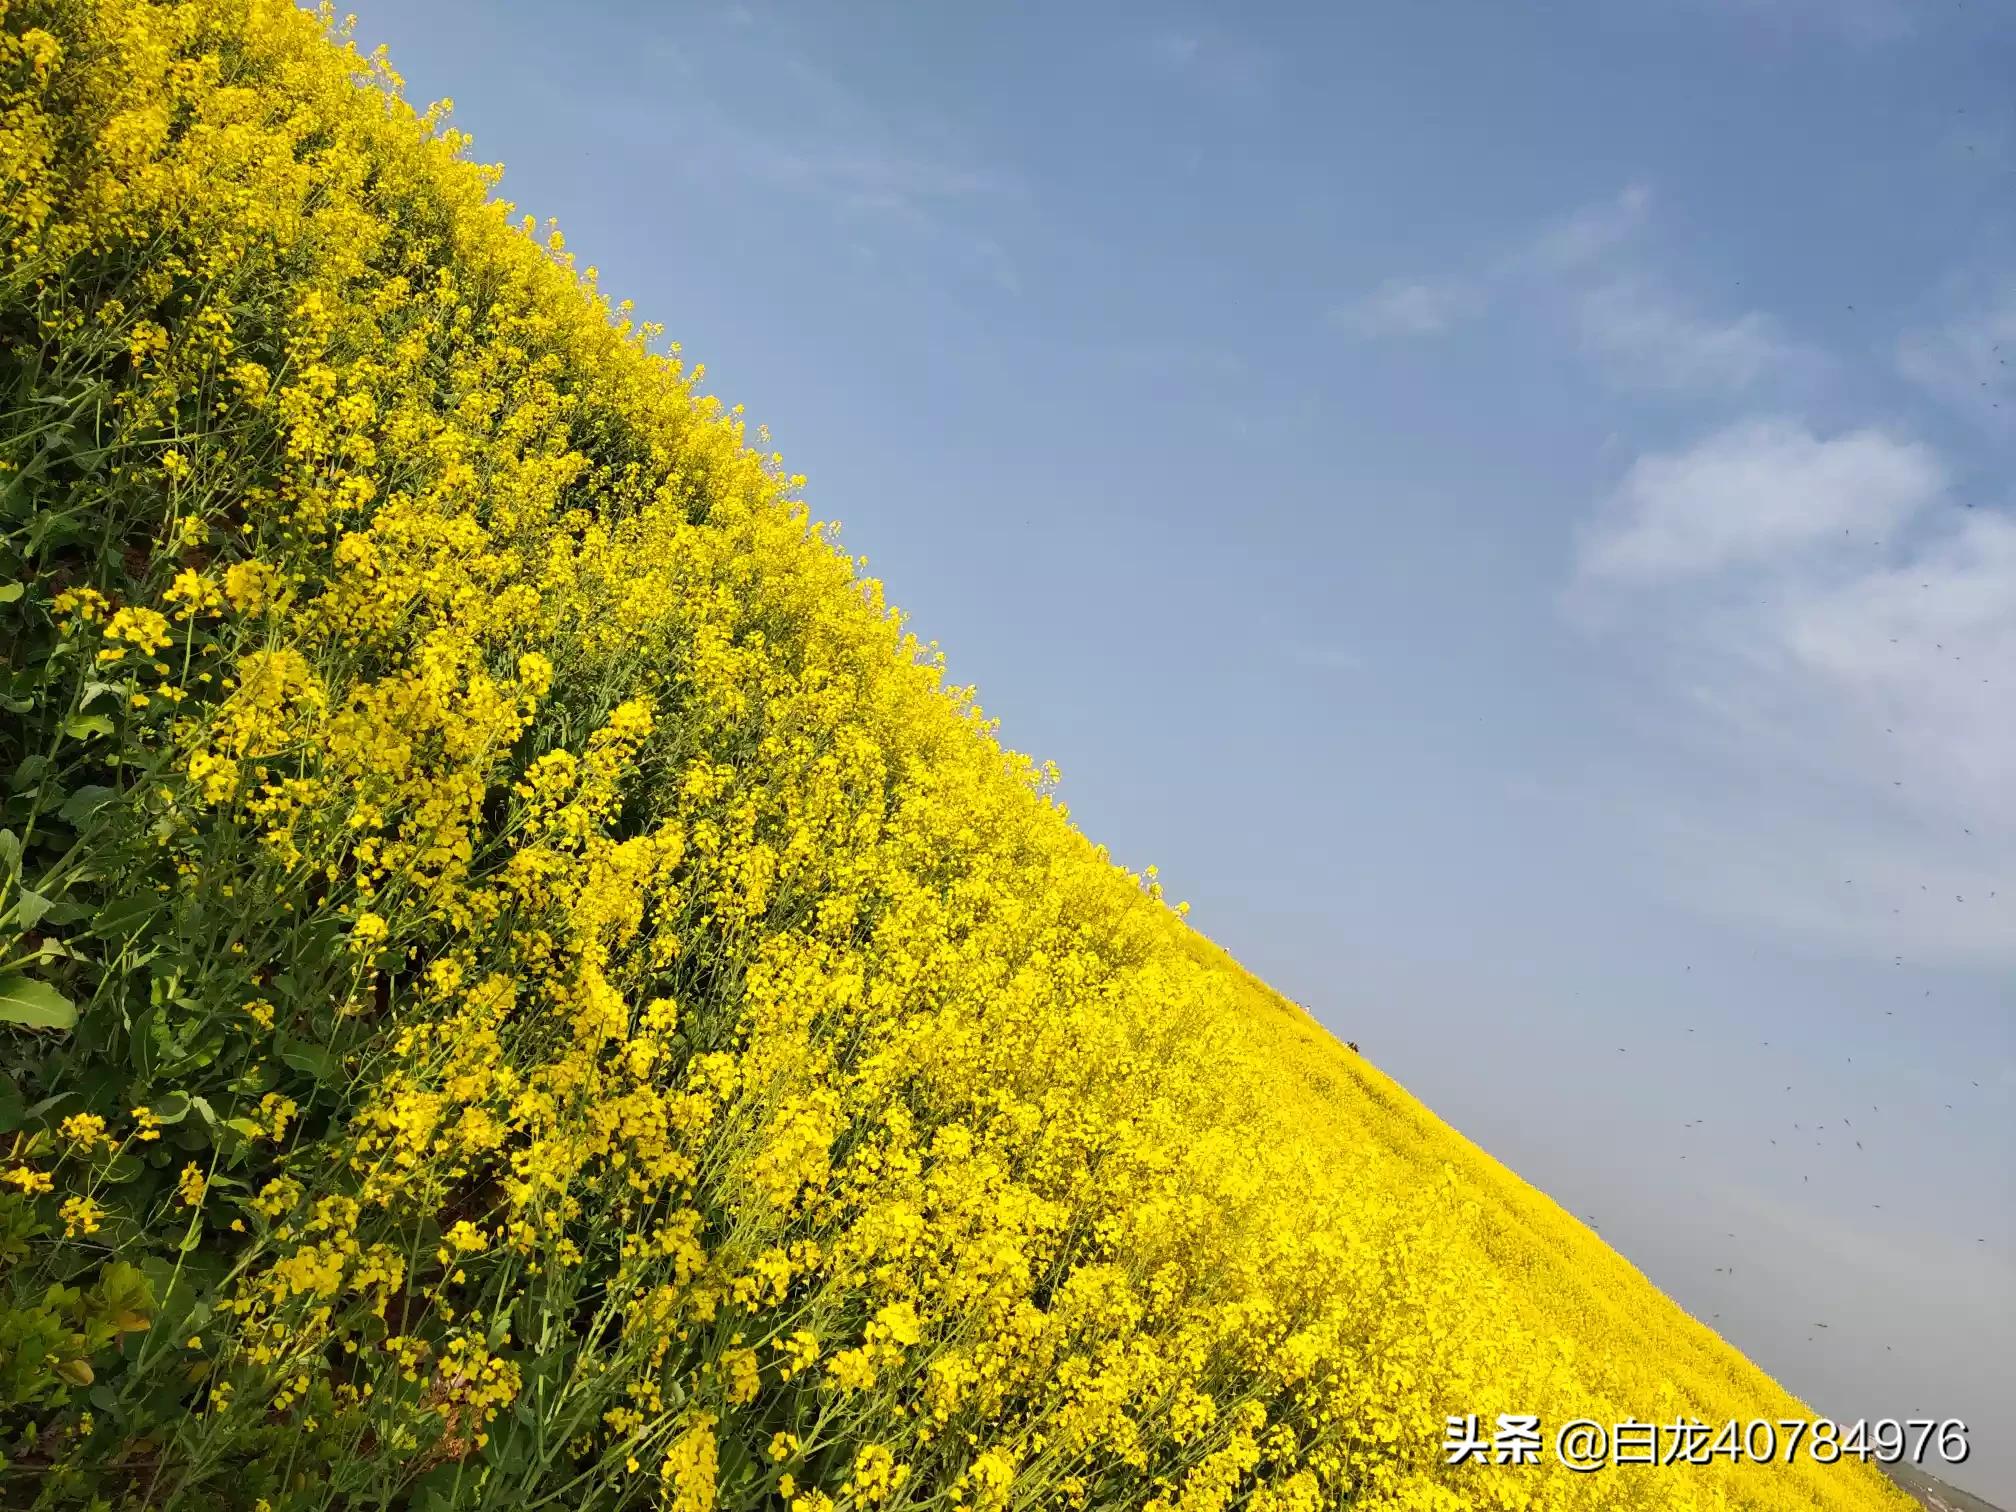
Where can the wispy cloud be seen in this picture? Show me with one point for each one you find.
(1214, 61)
(1317, 656)
(1582, 236)
(858, 162)
(1644, 334)
(1591, 269)
(1822, 628)
(1415, 306)
(1966, 360)
(1409, 307)
(1547, 259)
(1175, 52)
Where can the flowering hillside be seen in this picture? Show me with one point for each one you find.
(520, 985)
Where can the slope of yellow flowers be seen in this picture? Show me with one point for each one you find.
(522, 986)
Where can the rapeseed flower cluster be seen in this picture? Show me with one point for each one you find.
(528, 988)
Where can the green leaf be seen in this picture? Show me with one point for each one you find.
(140, 1035)
(85, 802)
(10, 850)
(310, 1060)
(126, 916)
(435, 1491)
(737, 1469)
(29, 908)
(122, 1168)
(9, 592)
(500, 1325)
(84, 726)
(34, 1005)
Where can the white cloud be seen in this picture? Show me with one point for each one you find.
(1866, 884)
(1821, 635)
(1175, 51)
(1968, 361)
(1410, 307)
(1215, 61)
(837, 151)
(1751, 492)
(1583, 236)
(1589, 270)
(1643, 334)
(1920, 648)
(856, 175)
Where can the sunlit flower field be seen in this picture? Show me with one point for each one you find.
(524, 987)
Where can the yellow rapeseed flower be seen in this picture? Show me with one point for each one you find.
(680, 1016)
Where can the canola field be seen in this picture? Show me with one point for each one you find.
(522, 986)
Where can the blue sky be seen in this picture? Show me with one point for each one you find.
(1509, 507)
